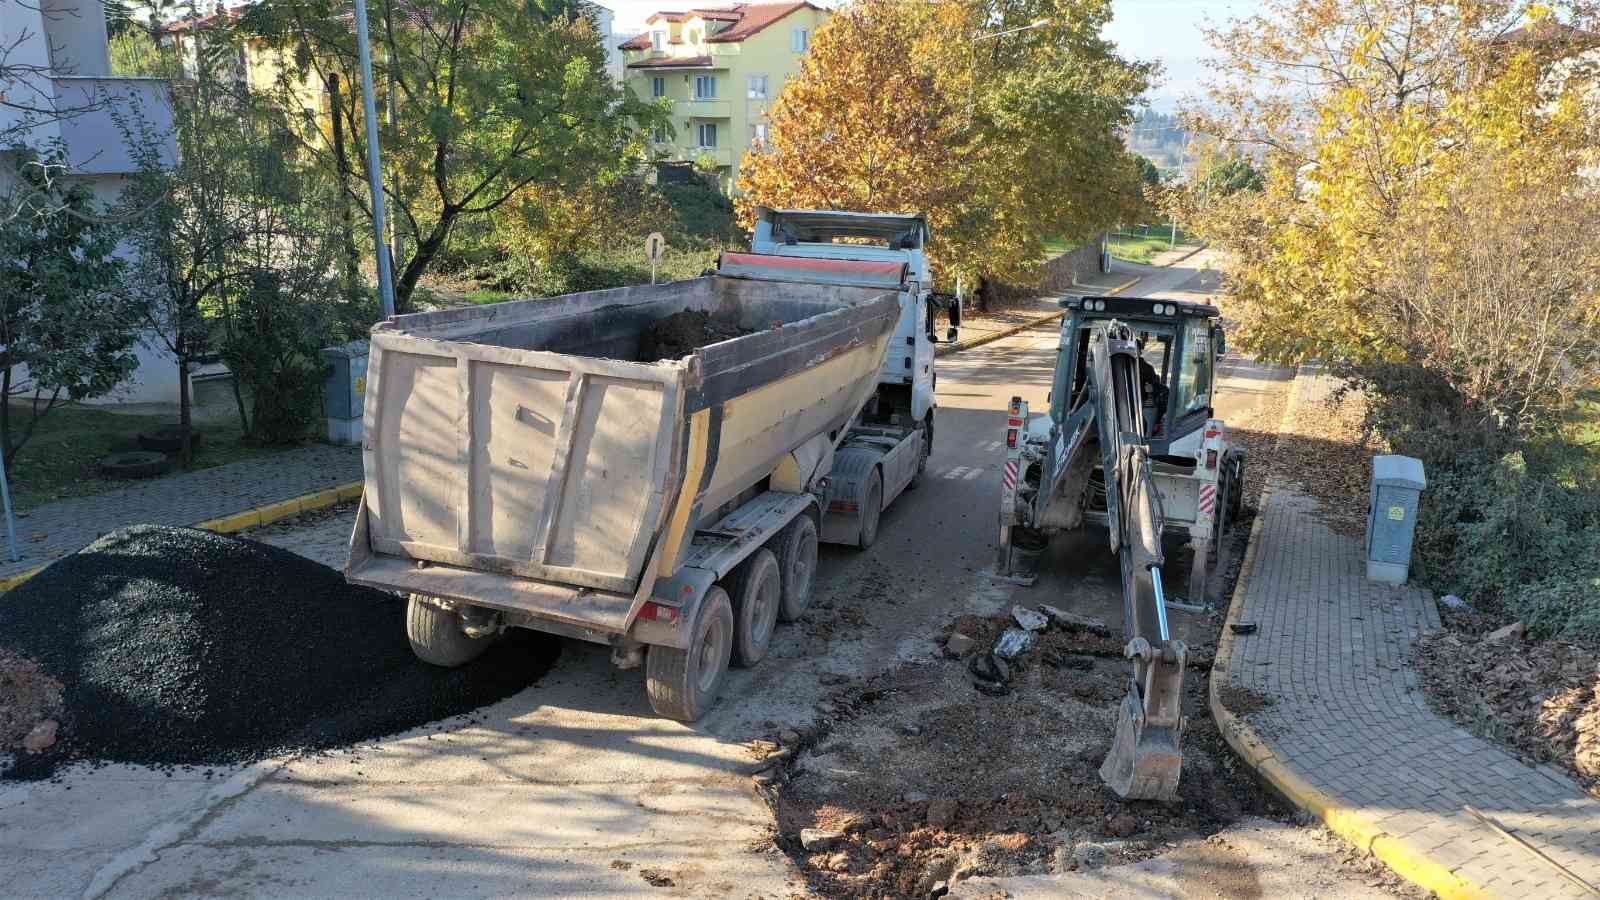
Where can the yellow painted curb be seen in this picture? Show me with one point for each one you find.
(250, 518)
(1018, 329)
(1352, 823)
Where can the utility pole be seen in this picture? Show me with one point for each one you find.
(374, 172)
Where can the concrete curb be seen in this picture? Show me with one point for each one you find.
(959, 346)
(1353, 823)
(1170, 263)
(250, 518)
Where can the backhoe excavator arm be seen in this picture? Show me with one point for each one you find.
(1145, 757)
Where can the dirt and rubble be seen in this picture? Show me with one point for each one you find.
(684, 332)
(1541, 699)
(925, 774)
(180, 646)
(29, 701)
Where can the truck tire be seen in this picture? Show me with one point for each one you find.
(796, 547)
(871, 509)
(682, 684)
(436, 636)
(757, 590)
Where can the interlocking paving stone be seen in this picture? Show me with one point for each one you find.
(1333, 652)
(182, 499)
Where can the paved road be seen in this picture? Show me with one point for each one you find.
(572, 787)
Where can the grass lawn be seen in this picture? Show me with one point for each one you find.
(1056, 246)
(1143, 244)
(60, 460)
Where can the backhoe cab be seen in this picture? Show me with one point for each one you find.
(1130, 442)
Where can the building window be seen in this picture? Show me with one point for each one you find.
(706, 134)
(661, 134)
(800, 40)
(758, 133)
(658, 40)
(694, 36)
(757, 87)
(658, 87)
(705, 87)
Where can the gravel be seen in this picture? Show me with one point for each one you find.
(180, 646)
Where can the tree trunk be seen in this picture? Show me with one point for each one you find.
(238, 401)
(426, 248)
(346, 219)
(5, 421)
(186, 446)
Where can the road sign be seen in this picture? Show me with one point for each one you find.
(654, 247)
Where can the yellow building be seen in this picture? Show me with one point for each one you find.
(722, 68)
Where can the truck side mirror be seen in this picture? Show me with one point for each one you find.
(955, 312)
(1219, 340)
(950, 334)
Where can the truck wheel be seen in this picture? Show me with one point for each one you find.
(927, 451)
(682, 684)
(871, 509)
(436, 635)
(757, 589)
(797, 563)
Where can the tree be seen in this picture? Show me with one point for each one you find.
(483, 99)
(1427, 229)
(1002, 137)
(66, 333)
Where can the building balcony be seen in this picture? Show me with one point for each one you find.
(703, 109)
(722, 155)
(93, 113)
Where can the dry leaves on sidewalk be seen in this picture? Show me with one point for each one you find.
(1540, 698)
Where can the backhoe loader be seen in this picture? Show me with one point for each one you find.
(1130, 441)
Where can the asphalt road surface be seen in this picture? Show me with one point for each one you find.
(573, 787)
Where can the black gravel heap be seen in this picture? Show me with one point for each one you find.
(179, 646)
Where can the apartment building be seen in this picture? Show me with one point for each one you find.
(722, 69)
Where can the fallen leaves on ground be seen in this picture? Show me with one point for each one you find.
(1540, 698)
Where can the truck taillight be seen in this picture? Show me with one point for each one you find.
(1014, 423)
(1211, 459)
(657, 612)
(1016, 406)
(1011, 437)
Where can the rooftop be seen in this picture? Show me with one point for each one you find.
(745, 19)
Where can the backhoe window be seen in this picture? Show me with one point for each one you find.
(1194, 375)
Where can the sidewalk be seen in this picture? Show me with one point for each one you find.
(1340, 727)
(981, 328)
(1176, 255)
(56, 529)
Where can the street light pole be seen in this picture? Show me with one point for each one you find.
(374, 173)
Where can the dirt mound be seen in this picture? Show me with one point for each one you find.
(179, 646)
(28, 699)
(1541, 698)
(921, 777)
(682, 333)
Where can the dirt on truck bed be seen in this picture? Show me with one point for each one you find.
(682, 333)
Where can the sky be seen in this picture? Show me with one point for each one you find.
(1164, 30)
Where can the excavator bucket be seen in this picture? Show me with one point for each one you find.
(1146, 756)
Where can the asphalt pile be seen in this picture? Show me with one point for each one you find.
(180, 646)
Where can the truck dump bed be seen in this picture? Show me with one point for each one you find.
(525, 439)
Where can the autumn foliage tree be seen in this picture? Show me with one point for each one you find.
(1002, 137)
(1423, 205)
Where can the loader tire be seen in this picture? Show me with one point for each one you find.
(756, 587)
(796, 547)
(682, 684)
(436, 636)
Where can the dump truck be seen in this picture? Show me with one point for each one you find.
(1131, 443)
(534, 464)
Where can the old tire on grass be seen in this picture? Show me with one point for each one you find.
(682, 684)
(756, 587)
(168, 438)
(135, 464)
(436, 636)
(796, 547)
